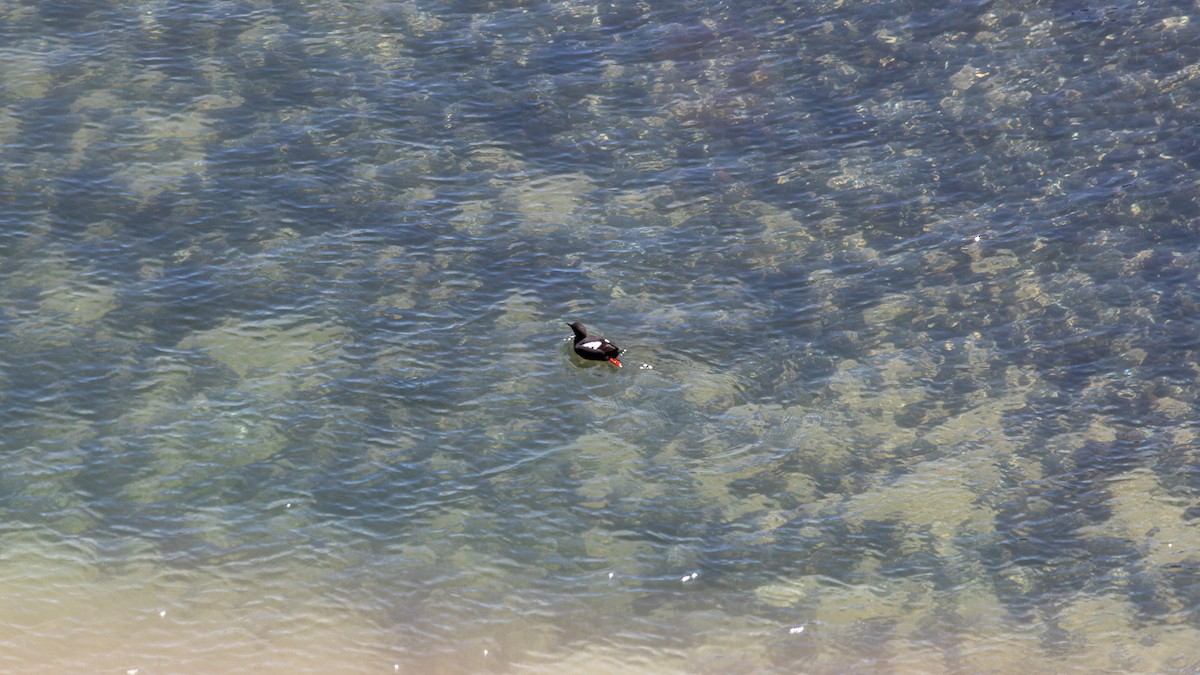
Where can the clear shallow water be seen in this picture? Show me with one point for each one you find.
(909, 296)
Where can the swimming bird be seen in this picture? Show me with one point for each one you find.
(593, 347)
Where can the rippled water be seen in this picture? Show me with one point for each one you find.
(909, 296)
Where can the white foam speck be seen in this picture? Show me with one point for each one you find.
(796, 630)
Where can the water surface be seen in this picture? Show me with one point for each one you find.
(909, 296)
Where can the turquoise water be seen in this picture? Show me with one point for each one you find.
(908, 295)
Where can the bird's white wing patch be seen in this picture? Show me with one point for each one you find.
(594, 344)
